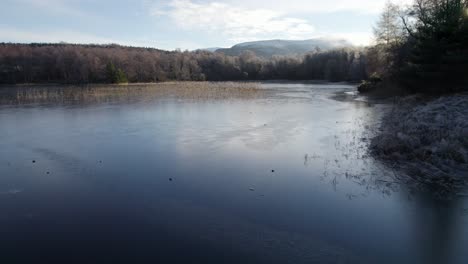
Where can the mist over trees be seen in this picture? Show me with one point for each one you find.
(68, 63)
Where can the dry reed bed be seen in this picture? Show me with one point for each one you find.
(110, 93)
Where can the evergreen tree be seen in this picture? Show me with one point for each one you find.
(439, 57)
(115, 75)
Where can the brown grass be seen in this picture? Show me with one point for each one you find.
(132, 92)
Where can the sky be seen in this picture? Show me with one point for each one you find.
(186, 24)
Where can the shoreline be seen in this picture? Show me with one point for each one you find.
(170, 82)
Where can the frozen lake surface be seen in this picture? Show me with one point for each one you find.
(280, 178)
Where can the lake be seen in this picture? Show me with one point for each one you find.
(281, 177)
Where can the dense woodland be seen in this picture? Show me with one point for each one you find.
(423, 48)
(67, 63)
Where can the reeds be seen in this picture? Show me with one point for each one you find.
(132, 92)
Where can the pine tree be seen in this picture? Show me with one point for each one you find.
(439, 59)
(115, 75)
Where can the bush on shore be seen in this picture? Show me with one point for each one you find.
(370, 85)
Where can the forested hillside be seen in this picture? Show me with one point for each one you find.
(68, 63)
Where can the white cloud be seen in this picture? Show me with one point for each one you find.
(318, 6)
(233, 22)
(237, 21)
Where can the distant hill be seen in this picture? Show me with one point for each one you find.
(211, 49)
(269, 48)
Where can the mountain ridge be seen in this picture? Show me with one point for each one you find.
(269, 48)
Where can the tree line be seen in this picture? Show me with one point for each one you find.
(72, 63)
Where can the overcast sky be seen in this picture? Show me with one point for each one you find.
(186, 24)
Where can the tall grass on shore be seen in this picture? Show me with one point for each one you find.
(110, 93)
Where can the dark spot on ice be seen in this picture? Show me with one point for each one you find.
(33, 161)
(252, 189)
(48, 172)
(272, 170)
(170, 179)
(100, 161)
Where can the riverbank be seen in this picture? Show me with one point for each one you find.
(427, 140)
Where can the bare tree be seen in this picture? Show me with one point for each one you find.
(389, 30)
